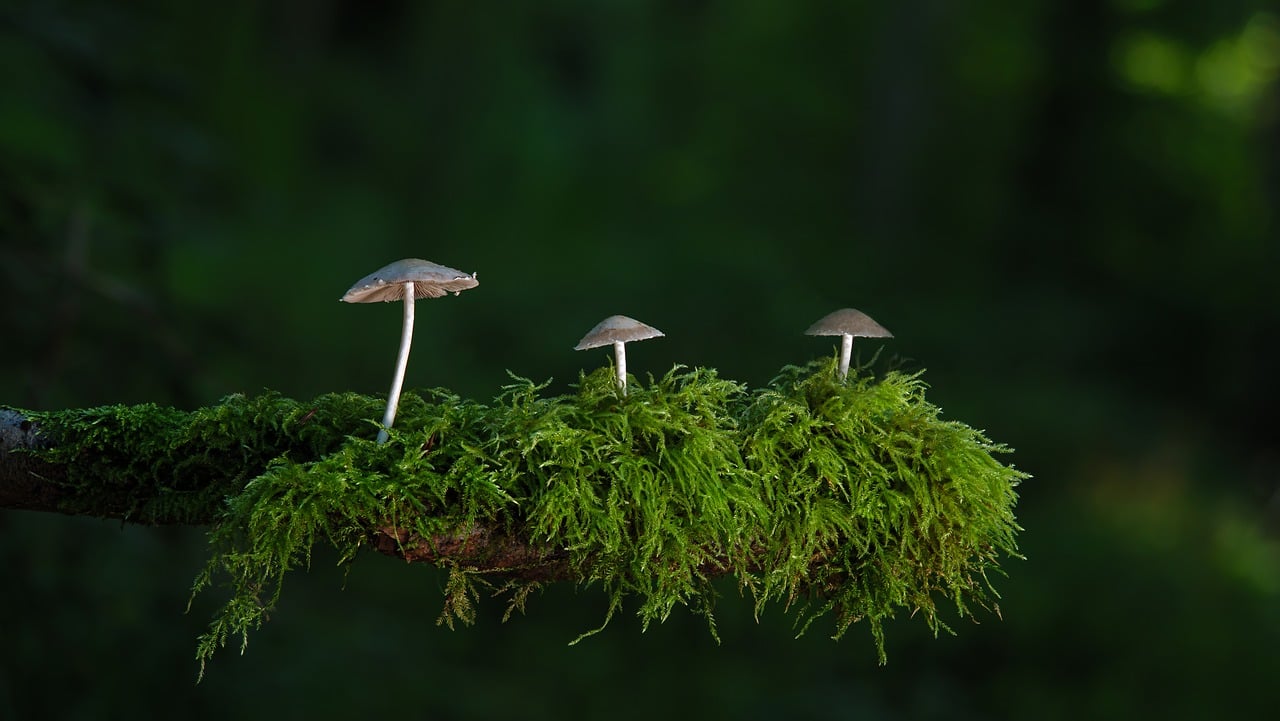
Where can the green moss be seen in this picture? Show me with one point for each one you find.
(900, 504)
(149, 464)
(852, 500)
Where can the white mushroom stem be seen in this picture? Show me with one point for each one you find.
(620, 361)
(846, 350)
(402, 362)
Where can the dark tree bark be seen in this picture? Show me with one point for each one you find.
(26, 482)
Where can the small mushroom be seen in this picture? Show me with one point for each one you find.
(848, 323)
(618, 330)
(406, 280)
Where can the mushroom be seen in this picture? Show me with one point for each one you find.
(848, 323)
(406, 280)
(618, 330)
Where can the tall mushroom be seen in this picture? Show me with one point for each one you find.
(848, 323)
(406, 280)
(618, 330)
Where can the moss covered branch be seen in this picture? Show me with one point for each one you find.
(851, 499)
(153, 465)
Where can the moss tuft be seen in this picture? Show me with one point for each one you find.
(900, 504)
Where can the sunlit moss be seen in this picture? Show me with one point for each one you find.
(850, 499)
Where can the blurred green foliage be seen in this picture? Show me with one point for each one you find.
(1066, 210)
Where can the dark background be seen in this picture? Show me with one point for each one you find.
(1065, 211)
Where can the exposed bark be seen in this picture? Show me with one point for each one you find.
(482, 549)
(27, 483)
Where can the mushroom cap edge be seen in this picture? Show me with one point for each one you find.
(430, 280)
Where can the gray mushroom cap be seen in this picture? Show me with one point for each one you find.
(617, 329)
(429, 281)
(848, 321)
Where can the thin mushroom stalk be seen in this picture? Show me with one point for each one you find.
(846, 350)
(402, 363)
(620, 361)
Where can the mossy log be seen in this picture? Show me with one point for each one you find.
(37, 473)
(846, 497)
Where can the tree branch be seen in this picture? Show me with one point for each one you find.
(31, 482)
(850, 493)
(47, 465)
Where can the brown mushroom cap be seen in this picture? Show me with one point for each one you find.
(617, 329)
(848, 321)
(429, 281)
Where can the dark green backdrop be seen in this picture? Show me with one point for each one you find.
(1065, 211)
